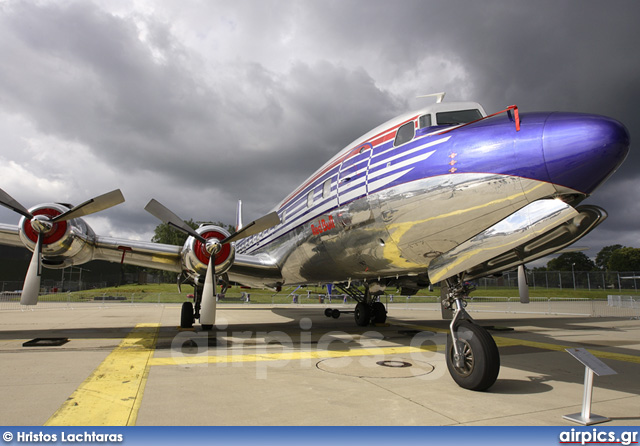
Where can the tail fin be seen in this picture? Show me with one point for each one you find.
(239, 216)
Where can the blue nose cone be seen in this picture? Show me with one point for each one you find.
(581, 151)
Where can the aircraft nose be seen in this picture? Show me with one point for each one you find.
(581, 150)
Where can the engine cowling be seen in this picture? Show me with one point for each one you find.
(196, 258)
(65, 244)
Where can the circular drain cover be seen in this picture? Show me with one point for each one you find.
(394, 363)
(373, 367)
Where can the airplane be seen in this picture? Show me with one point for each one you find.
(442, 195)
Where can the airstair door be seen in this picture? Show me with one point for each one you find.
(352, 178)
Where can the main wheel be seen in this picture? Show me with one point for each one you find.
(362, 314)
(481, 360)
(186, 315)
(379, 313)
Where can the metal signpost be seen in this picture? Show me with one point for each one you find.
(592, 365)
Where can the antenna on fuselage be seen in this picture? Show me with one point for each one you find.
(439, 96)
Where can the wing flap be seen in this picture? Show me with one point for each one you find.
(507, 236)
(139, 253)
(550, 242)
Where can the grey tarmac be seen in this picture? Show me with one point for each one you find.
(129, 364)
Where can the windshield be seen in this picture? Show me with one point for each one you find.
(458, 117)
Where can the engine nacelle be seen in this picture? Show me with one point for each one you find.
(195, 257)
(65, 244)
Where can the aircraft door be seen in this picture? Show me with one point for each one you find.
(352, 178)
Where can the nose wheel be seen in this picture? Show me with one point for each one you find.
(472, 356)
(477, 364)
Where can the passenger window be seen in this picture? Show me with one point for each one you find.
(326, 188)
(405, 134)
(310, 199)
(425, 121)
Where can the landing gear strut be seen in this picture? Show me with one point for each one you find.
(366, 312)
(472, 355)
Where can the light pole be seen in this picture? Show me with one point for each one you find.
(573, 274)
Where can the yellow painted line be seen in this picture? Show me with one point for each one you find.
(230, 357)
(507, 342)
(111, 395)
(561, 348)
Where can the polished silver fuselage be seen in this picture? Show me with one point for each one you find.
(445, 200)
(428, 208)
(400, 230)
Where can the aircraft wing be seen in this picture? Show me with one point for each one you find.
(10, 235)
(249, 270)
(537, 230)
(139, 253)
(147, 254)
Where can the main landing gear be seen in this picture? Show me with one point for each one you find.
(187, 317)
(366, 312)
(190, 311)
(472, 355)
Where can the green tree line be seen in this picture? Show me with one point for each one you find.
(610, 258)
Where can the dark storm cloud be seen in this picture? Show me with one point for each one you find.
(260, 94)
(81, 73)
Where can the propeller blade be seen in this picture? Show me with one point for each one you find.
(208, 304)
(31, 287)
(163, 213)
(97, 204)
(523, 285)
(8, 201)
(256, 226)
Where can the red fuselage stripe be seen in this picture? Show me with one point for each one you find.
(375, 140)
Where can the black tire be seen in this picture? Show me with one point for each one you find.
(482, 359)
(328, 312)
(186, 315)
(362, 314)
(335, 314)
(207, 327)
(379, 313)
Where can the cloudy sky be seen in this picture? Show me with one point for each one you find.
(201, 103)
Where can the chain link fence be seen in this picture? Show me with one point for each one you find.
(551, 280)
(625, 306)
(576, 280)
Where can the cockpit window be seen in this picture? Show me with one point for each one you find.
(424, 121)
(458, 117)
(405, 134)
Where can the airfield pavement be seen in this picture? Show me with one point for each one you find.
(290, 365)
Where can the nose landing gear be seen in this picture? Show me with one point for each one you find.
(472, 356)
